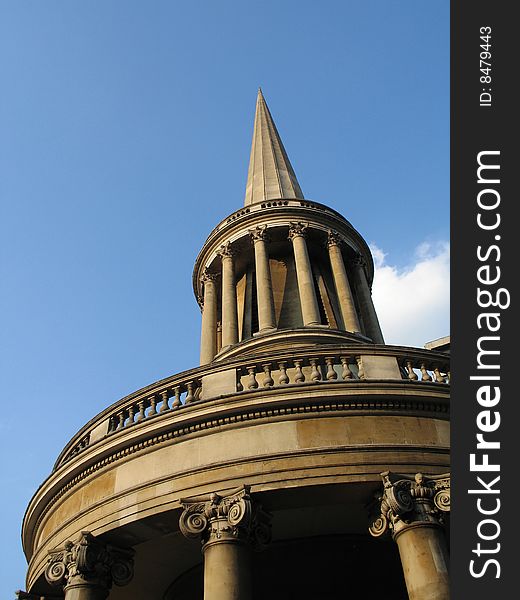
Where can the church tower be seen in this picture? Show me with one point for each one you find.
(302, 458)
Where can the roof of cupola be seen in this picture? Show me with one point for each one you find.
(270, 174)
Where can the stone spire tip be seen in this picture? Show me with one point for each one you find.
(270, 174)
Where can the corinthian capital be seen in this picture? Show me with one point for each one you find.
(411, 501)
(226, 251)
(297, 230)
(207, 276)
(359, 262)
(334, 238)
(259, 233)
(234, 517)
(90, 561)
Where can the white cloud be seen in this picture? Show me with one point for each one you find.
(413, 303)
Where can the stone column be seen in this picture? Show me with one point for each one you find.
(208, 337)
(264, 286)
(308, 301)
(345, 299)
(373, 330)
(413, 510)
(228, 527)
(86, 569)
(229, 297)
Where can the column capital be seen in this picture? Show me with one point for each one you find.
(235, 517)
(207, 276)
(334, 238)
(90, 562)
(297, 230)
(406, 501)
(226, 251)
(359, 261)
(259, 233)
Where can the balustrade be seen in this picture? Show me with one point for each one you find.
(312, 368)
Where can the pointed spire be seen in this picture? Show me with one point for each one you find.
(270, 173)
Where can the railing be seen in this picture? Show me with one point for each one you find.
(332, 364)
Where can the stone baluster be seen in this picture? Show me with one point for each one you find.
(305, 278)
(366, 305)
(438, 377)
(346, 373)
(190, 395)
(413, 509)
(339, 273)
(361, 369)
(208, 338)
(87, 569)
(164, 405)
(315, 372)
(331, 373)
(264, 286)
(153, 402)
(268, 380)
(425, 375)
(299, 376)
(140, 415)
(252, 383)
(229, 527)
(177, 399)
(229, 297)
(283, 379)
(411, 373)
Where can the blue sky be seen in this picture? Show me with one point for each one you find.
(126, 130)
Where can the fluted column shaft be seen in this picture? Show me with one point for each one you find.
(264, 286)
(229, 298)
(413, 510)
(372, 327)
(228, 526)
(208, 338)
(308, 301)
(339, 273)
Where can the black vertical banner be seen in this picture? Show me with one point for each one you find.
(485, 165)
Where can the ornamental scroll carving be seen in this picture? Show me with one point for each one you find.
(234, 517)
(90, 561)
(407, 501)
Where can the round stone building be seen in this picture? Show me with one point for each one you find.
(303, 458)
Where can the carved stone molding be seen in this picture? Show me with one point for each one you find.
(259, 233)
(410, 502)
(89, 561)
(297, 230)
(235, 517)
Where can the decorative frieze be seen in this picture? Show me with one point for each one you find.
(90, 562)
(410, 502)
